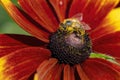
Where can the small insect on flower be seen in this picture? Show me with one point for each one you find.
(74, 27)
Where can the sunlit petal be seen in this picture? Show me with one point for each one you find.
(20, 64)
(110, 24)
(93, 10)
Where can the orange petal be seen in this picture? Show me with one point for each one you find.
(45, 67)
(24, 21)
(54, 73)
(68, 73)
(81, 73)
(93, 10)
(20, 64)
(96, 70)
(57, 72)
(72, 73)
(31, 8)
(61, 7)
(110, 24)
(51, 74)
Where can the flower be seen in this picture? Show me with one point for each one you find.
(39, 58)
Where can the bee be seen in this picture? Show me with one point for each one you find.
(75, 29)
(72, 25)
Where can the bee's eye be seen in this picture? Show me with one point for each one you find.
(68, 23)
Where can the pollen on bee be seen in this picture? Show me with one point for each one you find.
(70, 29)
(72, 25)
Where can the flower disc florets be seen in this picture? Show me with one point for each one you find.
(70, 44)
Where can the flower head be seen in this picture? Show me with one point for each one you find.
(71, 40)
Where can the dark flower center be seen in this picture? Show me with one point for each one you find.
(70, 44)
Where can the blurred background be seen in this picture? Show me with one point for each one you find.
(7, 25)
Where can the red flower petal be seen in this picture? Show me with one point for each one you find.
(110, 24)
(113, 38)
(43, 11)
(58, 73)
(81, 73)
(49, 75)
(54, 73)
(20, 64)
(60, 7)
(96, 70)
(93, 10)
(12, 42)
(108, 44)
(68, 73)
(24, 22)
(113, 66)
(45, 68)
(109, 49)
(40, 12)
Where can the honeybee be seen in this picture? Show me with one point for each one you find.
(75, 29)
(74, 24)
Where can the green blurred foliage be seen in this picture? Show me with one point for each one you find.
(7, 25)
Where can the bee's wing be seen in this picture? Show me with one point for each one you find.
(85, 26)
(78, 16)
